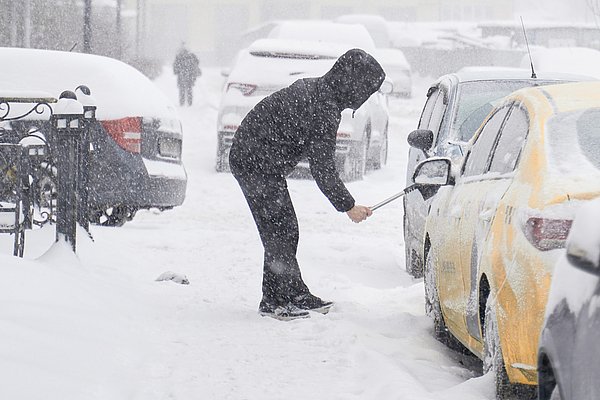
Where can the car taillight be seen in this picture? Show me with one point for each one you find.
(547, 234)
(127, 132)
(245, 88)
(344, 135)
(230, 128)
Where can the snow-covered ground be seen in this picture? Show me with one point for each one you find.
(98, 326)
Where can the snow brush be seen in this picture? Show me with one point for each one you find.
(394, 197)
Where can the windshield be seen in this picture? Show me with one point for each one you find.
(476, 100)
(573, 142)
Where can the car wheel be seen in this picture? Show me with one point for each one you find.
(434, 310)
(556, 393)
(360, 156)
(493, 361)
(222, 164)
(382, 154)
(414, 265)
(113, 216)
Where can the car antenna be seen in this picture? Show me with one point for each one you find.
(533, 75)
(73, 47)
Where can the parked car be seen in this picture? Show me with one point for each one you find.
(573, 60)
(272, 64)
(569, 355)
(397, 69)
(137, 140)
(492, 237)
(456, 106)
(376, 25)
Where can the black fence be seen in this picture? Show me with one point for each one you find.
(44, 160)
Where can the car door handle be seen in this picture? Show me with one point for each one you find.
(486, 215)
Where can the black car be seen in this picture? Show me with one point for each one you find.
(569, 355)
(136, 142)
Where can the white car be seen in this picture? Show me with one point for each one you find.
(272, 64)
(397, 69)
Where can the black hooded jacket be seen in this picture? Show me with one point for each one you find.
(302, 121)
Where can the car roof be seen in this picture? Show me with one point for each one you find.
(563, 97)
(353, 34)
(493, 73)
(118, 89)
(298, 47)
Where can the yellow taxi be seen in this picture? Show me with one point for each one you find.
(493, 236)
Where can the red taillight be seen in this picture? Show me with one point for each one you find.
(127, 132)
(230, 128)
(547, 234)
(344, 135)
(245, 88)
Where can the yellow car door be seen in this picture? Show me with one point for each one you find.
(490, 191)
(472, 207)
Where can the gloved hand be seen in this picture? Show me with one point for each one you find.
(359, 213)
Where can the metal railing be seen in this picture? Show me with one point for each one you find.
(44, 159)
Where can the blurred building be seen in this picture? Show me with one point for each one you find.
(212, 28)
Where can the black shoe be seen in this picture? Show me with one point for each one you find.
(282, 313)
(311, 302)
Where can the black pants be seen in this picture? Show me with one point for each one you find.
(275, 218)
(186, 92)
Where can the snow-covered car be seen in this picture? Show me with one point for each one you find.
(272, 64)
(572, 60)
(376, 25)
(569, 355)
(137, 141)
(397, 69)
(494, 235)
(456, 106)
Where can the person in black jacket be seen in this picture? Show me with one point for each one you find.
(187, 68)
(297, 122)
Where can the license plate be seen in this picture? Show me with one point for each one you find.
(168, 147)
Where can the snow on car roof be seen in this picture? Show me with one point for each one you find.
(272, 62)
(389, 56)
(501, 73)
(119, 89)
(575, 60)
(298, 48)
(324, 31)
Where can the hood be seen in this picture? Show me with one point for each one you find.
(354, 77)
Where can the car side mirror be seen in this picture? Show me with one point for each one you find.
(225, 72)
(431, 174)
(387, 87)
(421, 139)
(583, 247)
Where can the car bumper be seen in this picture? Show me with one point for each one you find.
(122, 178)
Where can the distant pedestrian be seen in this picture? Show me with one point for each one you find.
(300, 121)
(187, 68)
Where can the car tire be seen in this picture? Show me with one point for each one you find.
(381, 157)
(114, 216)
(360, 156)
(434, 310)
(352, 166)
(493, 361)
(414, 265)
(222, 164)
(556, 393)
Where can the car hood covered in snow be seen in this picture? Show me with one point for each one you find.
(118, 89)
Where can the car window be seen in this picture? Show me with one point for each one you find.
(511, 141)
(477, 159)
(573, 140)
(428, 109)
(437, 115)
